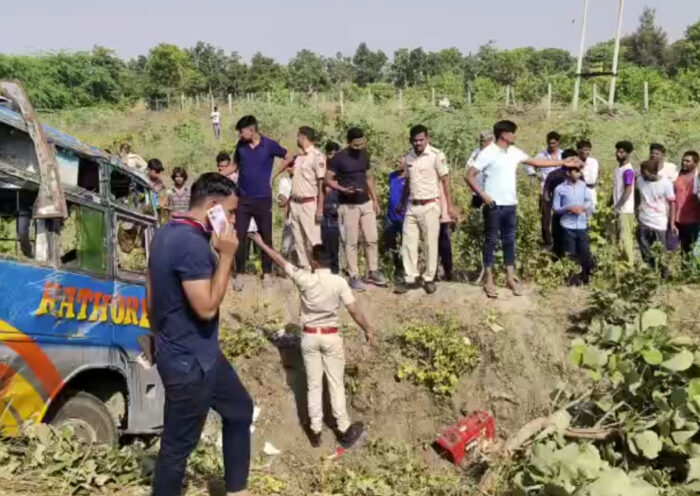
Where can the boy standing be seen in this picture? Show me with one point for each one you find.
(554, 179)
(330, 227)
(623, 198)
(687, 205)
(655, 197)
(180, 193)
(572, 204)
(394, 219)
(591, 167)
(321, 344)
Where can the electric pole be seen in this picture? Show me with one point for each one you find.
(611, 97)
(579, 65)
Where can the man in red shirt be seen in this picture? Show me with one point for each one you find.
(688, 206)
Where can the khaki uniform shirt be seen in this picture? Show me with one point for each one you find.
(308, 169)
(322, 292)
(424, 173)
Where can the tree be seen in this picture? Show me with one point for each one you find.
(686, 51)
(369, 65)
(169, 71)
(550, 61)
(648, 46)
(306, 72)
(236, 74)
(211, 62)
(340, 69)
(408, 67)
(264, 74)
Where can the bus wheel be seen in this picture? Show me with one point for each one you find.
(89, 418)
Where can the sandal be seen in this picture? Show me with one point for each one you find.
(516, 289)
(490, 291)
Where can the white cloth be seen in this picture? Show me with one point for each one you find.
(543, 172)
(499, 168)
(215, 117)
(669, 171)
(591, 170)
(284, 187)
(619, 189)
(471, 162)
(653, 202)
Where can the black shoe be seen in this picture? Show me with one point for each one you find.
(315, 439)
(405, 287)
(430, 287)
(348, 438)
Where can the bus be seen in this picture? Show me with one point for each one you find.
(72, 291)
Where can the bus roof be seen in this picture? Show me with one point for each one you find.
(56, 137)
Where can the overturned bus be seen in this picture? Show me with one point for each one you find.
(72, 290)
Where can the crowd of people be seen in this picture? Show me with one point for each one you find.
(329, 201)
(328, 196)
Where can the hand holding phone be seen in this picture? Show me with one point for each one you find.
(217, 219)
(225, 239)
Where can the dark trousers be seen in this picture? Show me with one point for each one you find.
(688, 235)
(577, 245)
(392, 244)
(260, 210)
(546, 219)
(557, 236)
(445, 249)
(330, 237)
(187, 402)
(503, 221)
(646, 237)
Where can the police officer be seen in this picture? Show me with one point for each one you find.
(306, 201)
(426, 169)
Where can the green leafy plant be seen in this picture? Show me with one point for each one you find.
(435, 355)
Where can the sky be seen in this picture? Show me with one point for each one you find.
(279, 28)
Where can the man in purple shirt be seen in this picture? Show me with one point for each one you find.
(254, 159)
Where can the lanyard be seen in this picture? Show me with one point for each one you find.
(184, 219)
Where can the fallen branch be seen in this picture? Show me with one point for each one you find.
(592, 434)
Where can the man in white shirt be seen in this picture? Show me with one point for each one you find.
(499, 162)
(591, 168)
(215, 117)
(657, 205)
(669, 170)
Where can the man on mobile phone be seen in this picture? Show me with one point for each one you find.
(184, 289)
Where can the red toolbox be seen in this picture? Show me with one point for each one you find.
(459, 438)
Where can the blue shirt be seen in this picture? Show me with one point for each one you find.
(572, 195)
(396, 184)
(180, 252)
(255, 166)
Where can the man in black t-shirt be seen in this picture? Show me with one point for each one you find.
(349, 173)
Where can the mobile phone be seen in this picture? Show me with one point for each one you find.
(217, 219)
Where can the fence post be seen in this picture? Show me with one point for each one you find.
(342, 103)
(507, 94)
(269, 98)
(400, 100)
(595, 97)
(291, 97)
(211, 101)
(432, 94)
(230, 103)
(182, 102)
(646, 96)
(469, 93)
(512, 95)
(197, 97)
(549, 100)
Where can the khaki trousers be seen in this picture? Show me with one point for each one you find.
(324, 354)
(421, 220)
(625, 236)
(305, 230)
(353, 218)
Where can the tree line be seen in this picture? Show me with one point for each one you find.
(78, 79)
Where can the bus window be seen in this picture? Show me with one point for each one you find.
(132, 242)
(18, 233)
(128, 192)
(83, 238)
